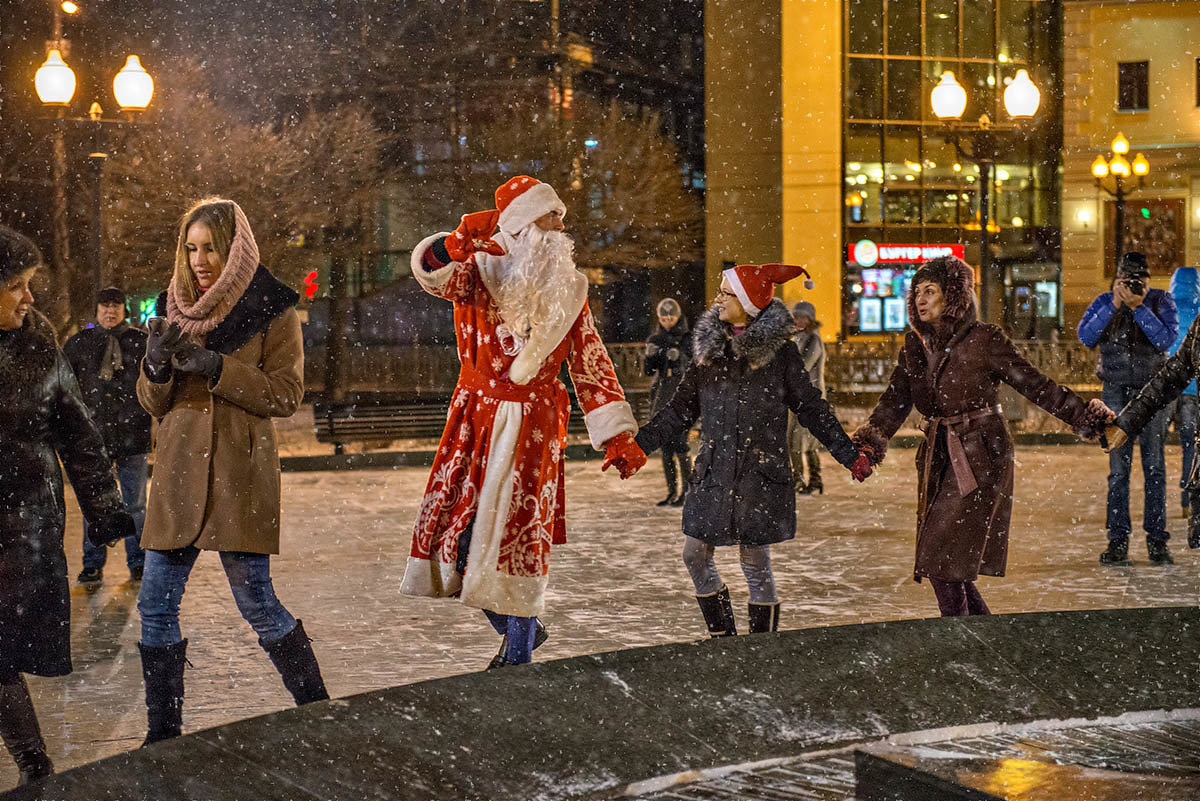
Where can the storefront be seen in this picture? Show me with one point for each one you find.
(877, 278)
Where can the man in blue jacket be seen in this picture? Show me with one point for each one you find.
(1134, 326)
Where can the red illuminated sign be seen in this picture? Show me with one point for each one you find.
(866, 253)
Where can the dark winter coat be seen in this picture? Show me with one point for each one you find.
(667, 372)
(42, 419)
(122, 421)
(952, 373)
(1133, 342)
(741, 388)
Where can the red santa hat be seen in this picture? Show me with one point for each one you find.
(754, 284)
(522, 199)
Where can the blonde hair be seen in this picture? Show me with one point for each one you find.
(217, 214)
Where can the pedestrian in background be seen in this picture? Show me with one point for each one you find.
(802, 446)
(226, 359)
(1185, 291)
(668, 351)
(1134, 326)
(106, 359)
(43, 419)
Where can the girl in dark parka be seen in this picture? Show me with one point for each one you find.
(950, 369)
(42, 419)
(668, 351)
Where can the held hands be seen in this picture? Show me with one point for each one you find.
(1114, 437)
(861, 468)
(191, 358)
(111, 529)
(474, 234)
(623, 452)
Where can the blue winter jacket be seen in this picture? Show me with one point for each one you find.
(1133, 343)
(1185, 290)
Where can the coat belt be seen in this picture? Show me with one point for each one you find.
(498, 388)
(958, 455)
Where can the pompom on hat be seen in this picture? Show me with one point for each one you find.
(522, 199)
(754, 284)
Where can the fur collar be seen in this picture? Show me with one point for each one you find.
(758, 344)
(264, 300)
(26, 354)
(958, 309)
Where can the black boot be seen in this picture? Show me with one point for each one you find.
(718, 613)
(814, 472)
(1194, 532)
(1117, 553)
(668, 460)
(764, 618)
(20, 732)
(685, 471)
(293, 657)
(1158, 552)
(162, 670)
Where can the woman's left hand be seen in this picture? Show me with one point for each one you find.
(191, 358)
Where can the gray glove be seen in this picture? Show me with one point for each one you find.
(673, 354)
(651, 349)
(191, 358)
(165, 338)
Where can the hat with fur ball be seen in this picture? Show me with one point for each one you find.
(522, 199)
(754, 284)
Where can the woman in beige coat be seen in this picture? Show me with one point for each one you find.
(226, 359)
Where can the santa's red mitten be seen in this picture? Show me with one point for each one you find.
(623, 452)
(474, 234)
(861, 469)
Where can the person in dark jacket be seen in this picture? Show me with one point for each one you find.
(950, 369)
(745, 376)
(105, 359)
(42, 419)
(802, 446)
(1185, 291)
(668, 351)
(1134, 327)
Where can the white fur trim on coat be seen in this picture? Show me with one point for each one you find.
(536, 201)
(435, 279)
(543, 340)
(605, 422)
(740, 291)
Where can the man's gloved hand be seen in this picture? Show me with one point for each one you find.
(474, 234)
(623, 452)
(861, 468)
(673, 354)
(191, 358)
(111, 529)
(165, 338)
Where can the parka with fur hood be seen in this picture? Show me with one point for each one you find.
(951, 372)
(741, 388)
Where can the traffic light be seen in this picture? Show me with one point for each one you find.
(310, 285)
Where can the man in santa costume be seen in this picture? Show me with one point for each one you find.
(495, 502)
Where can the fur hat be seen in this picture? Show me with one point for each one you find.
(805, 309)
(668, 307)
(957, 282)
(522, 200)
(754, 284)
(18, 253)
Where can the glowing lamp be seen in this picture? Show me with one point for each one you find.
(1022, 98)
(1140, 165)
(1100, 167)
(55, 81)
(133, 86)
(1119, 167)
(948, 98)
(1120, 145)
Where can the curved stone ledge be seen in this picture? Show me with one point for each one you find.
(588, 727)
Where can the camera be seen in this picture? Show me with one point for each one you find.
(1135, 285)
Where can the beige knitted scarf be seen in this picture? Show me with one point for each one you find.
(201, 317)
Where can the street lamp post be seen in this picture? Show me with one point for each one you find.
(949, 100)
(1120, 168)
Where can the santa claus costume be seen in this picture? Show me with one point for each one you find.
(494, 503)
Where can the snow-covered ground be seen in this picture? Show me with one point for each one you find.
(619, 583)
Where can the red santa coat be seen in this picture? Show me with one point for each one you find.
(499, 468)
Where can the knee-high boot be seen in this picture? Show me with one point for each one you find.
(20, 731)
(668, 460)
(162, 670)
(764, 617)
(717, 609)
(685, 472)
(814, 472)
(293, 657)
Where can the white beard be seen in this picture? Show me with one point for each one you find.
(532, 284)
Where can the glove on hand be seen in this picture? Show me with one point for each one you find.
(474, 234)
(191, 358)
(623, 452)
(861, 468)
(165, 338)
(111, 529)
(673, 354)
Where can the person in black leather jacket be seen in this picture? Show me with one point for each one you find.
(668, 351)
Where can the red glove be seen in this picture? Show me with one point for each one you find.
(861, 467)
(474, 234)
(623, 452)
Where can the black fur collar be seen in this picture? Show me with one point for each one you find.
(265, 299)
(26, 354)
(758, 344)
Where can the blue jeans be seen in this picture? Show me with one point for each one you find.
(131, 476)
(1154, 470)
(520, 632)
(249, 577)
(1189, 415)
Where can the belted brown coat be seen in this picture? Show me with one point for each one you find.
(951, 374)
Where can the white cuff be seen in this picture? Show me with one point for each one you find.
(605, 422)
(430, 279)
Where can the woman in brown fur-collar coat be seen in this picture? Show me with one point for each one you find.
(950, 369)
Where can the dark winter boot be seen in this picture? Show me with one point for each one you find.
(764, 618)
(1158, 552)
(685, 470)
(1117, 553)
(20, 732)
(162, 670)
(813, 459)
(668, 460)
(1194, 532)
(293, 657)
(718, 613)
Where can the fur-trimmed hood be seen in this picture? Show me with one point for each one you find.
(264, 299)
(959, 302)
(26, 353)
(758, 344)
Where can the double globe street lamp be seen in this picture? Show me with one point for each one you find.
(1120, 169)
(949, 101)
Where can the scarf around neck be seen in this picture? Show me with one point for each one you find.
(212, 306)
(112, 361)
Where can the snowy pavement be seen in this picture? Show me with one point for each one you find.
(619, 583)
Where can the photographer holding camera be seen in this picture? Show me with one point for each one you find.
(1134, 326)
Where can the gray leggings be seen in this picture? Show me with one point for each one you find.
(756, 565)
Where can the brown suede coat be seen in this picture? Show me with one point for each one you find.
(216, 467)
(944, 374)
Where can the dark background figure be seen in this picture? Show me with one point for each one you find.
(668, 352)
(106, 359)
(802, 445)
(42, 419)
(1185, 291)
(1134, 326)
